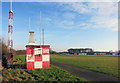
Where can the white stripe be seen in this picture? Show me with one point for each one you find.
(45, 51)
(45, 57)
(37, 51)
(38, 64)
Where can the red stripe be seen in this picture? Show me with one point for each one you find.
(30, 65)
(38, 57)
(46, 64)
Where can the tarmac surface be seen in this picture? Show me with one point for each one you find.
(89, 75)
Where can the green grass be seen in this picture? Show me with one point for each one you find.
(52, 74)
(21, 58)
(107, 64)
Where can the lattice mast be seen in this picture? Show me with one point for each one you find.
(10, 30)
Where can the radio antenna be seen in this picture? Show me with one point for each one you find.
(29, 23)
(43, 35)
(11, 5)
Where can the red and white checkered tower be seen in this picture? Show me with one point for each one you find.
(10, 30)
(37, 56)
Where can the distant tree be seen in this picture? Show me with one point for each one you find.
(4, 49)
(53, 52)
(5, 55)
(20, 52)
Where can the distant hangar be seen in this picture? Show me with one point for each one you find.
(87, 51)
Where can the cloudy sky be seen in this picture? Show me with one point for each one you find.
(67, 24)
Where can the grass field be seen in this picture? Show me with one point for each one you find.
(51, 74)
(107, 64)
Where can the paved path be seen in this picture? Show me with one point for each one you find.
(89, 75)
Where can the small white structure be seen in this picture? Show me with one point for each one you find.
(31, 38)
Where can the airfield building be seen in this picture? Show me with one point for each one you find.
(80, 51)
(87, 51)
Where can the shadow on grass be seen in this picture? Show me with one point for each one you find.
(18, 66)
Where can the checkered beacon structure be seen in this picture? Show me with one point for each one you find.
(37, 56)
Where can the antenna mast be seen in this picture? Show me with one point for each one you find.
(11, 5)
(29, 23)
(43, 35)
(10, 30)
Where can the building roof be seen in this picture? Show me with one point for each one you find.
(36, 45)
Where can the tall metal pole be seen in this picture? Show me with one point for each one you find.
(29, 30)
(40, 28)
(43, 35)
(29, 23)
(11, 5)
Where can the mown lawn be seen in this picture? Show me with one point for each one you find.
(107, 64)
(21, 74)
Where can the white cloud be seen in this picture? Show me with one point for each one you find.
(69, 16)
(106, 15)
(103, 15)
(47, 19)
(65, 24)
(76, 7)
(80, 8)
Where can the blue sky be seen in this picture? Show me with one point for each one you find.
(66, 25)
